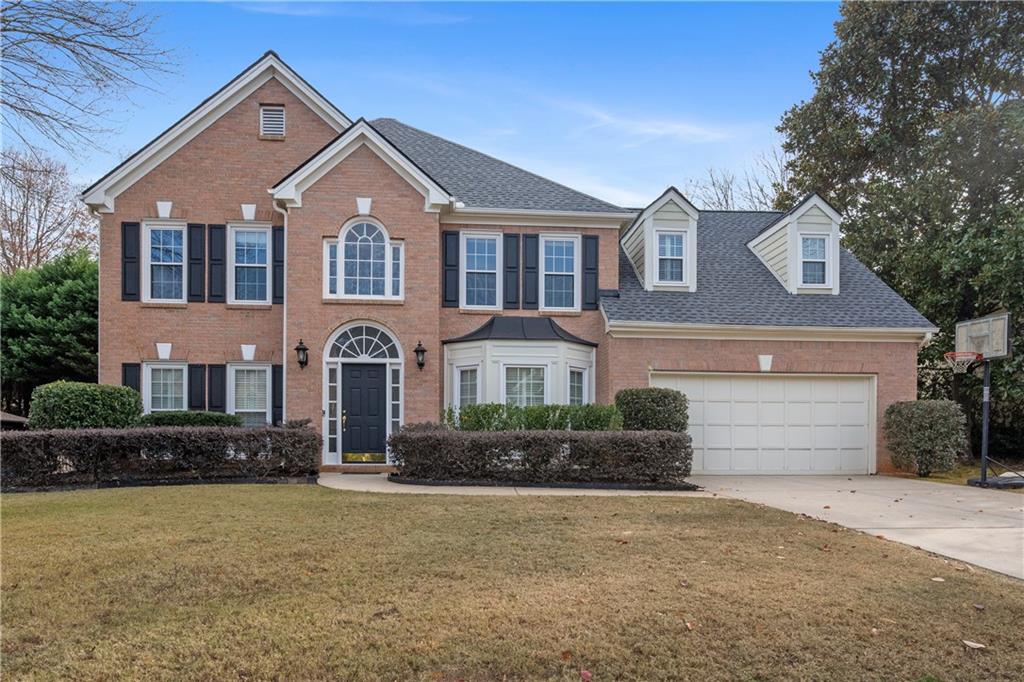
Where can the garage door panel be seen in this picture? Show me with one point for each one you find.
(777, 423)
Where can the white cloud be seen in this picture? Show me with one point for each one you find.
(388, 13)
(646, 129)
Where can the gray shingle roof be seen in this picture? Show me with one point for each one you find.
(735, 288)
(481, 181)
(520, 329)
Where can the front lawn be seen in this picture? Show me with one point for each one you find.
(301, 582)
(962, 472)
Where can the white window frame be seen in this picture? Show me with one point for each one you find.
(577, 275)
(146, 248)
(499, 266)
(284, 119)
(457, 371)
(389, 246)
(800, 260)
(586, 384)
(517, 365)
(232, 230)
(232, 368)
(147, 384)
(657, 258)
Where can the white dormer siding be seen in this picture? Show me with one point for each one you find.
(802, 248)
(661, 244)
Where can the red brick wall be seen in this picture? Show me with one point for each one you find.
(894, 364)
(208, 179)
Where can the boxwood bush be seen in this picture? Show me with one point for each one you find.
(78, 405)
(189, 418)
(56, 457)
(500, 417)
(652, 409)
(433, 452)
(925, 435)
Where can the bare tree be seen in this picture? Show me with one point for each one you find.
(763, 187)
(41, 216)
(64, 62)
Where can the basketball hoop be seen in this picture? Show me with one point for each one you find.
(961, 361)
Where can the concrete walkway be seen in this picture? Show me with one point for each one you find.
(981, 527)
(378, 483)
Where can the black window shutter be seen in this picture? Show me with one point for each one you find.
(531, 271)
(278, 248)
(130, 264)
(218, 376)
(277, 393)
(196, 263)
(590, 258)
(131, 375)
(218, 264)
(450, 264)
(197, 387)
(511, 285)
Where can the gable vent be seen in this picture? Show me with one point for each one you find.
(272, 121)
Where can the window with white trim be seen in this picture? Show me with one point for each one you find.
(250, 269)
(249, 393)
(364, 263)
(577, 386)
(165, 387)
(272, 120)
(467, 385)
(164, 256)
(481, 283)
(671, 257)
(524, 386)
(814, 260)
(560, 276)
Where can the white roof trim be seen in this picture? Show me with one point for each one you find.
(101, 195)
(288, 192)
(814, 200)
(474, 215)
(670, 194)
(627, 329)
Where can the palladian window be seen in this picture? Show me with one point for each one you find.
(363, 263)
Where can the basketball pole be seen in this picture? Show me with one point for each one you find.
(986, 391)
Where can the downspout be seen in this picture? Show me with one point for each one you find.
(284, 319)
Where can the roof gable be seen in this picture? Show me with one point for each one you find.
(101, 195)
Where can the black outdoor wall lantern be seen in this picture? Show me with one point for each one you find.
(302, 354)
(421, 354)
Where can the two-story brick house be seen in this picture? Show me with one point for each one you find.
(268, 256)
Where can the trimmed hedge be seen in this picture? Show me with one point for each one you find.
(189, 418)
(78, 405)
(60, 457)
(652, 409)
(431, 451)
(501, 417)
(925, 435)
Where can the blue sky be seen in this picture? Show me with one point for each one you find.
(616, 100)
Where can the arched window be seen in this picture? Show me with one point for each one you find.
(370, 264)
(364, 341)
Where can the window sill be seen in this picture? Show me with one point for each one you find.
(481, 311)
(661, 286)
(271, 138)
(163, 304)
(249, 306)
(561, 313)
(363, 301)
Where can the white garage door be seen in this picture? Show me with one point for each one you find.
(779, 424)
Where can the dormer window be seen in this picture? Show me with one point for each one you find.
(271, 120)
(814, 260)
(671, 257)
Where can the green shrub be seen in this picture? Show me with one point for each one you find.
(433, 452)
(190, 418)
(77, 405)
(499, 417)
(652, 409)
(925, 435)
(58, 457)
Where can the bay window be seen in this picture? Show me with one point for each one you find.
(524, 386)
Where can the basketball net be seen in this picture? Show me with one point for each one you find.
(961, 361)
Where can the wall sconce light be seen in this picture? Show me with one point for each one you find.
(302, 354)
(421, 354)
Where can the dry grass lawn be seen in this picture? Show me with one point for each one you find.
(963, 472)
(301, 582)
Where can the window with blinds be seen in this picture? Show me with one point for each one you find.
(272, 120)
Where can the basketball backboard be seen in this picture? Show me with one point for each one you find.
(989, 335)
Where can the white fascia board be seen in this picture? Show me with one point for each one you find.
(100, 197)
(289, 192)
(670, 194)
(474, 215)
(666, 330)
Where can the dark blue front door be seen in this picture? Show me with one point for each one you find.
(363, 413)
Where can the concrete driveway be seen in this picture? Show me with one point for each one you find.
(981, 527)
